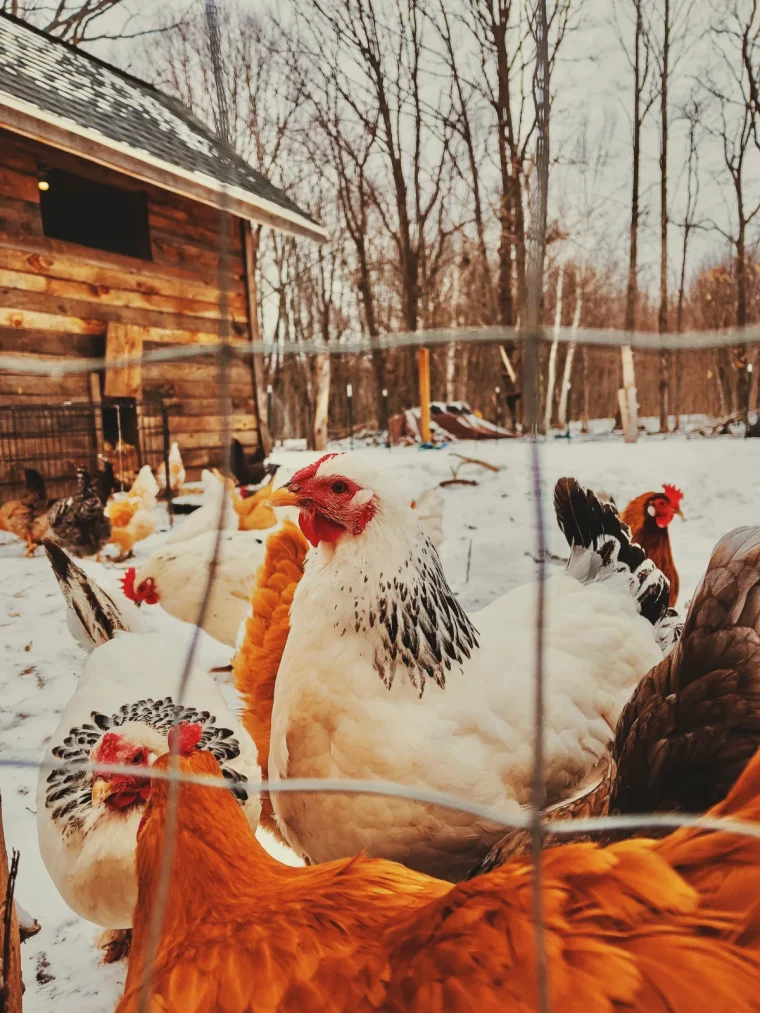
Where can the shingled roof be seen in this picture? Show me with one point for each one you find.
(58, 94)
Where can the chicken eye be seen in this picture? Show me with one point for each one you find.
(340, 487)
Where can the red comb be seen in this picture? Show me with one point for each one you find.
(184, 738)
(128, 584)
(310, 470)
(674, 495)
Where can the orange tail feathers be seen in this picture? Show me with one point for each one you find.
(725, 867)
(266, 633)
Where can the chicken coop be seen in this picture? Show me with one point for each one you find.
(110, 238)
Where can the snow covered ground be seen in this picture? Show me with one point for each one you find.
(490, 543)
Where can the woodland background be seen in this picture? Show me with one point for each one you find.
(407, 127)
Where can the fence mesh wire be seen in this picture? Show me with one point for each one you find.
(224, 353)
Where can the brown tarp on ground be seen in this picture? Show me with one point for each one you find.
(448, 422)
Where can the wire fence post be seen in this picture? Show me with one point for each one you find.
(269, 412)
(387, 416)
(748, 406)
(166, 438)
(350, 406)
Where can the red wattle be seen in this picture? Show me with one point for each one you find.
(318, 528)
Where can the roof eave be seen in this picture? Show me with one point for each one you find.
(65, 134)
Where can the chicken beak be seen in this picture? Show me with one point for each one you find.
(680, 513)
(101, 789)
(283, 497)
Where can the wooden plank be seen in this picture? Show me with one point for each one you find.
(20, 185)
(122, 343)
(104, 294)
(81, 309)
(98, 279)
(36, 320)
(192, 423)
(20, 217)
(206, 372)
(94, 381)
(15, 339)
(191, 280)
(204, 405)
(158, 336)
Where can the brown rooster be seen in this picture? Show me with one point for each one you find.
(648, 517)
(693, 723)
(645, 925)
(27, 517)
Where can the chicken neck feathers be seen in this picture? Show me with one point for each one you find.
(266, 632)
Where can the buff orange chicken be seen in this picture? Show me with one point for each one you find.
(641, 925)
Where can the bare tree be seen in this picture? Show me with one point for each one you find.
(82, 21)
(640, 63)
(735, 29)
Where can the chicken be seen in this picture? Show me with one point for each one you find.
(648, 517)
(684, 737)
(254, 511)
(176, 471)
(105, 482)
(122, 710)
(27, 517)
(641, 925)
(176, 575)
(133, 516)
(78, 523)
(384, 676)
(266, 632)
(207, 517)
(250, 470)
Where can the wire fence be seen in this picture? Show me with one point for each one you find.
(81, 426)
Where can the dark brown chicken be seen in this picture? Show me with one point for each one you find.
(693, 723)
(78, 522)
(27, 517)
(649, 516)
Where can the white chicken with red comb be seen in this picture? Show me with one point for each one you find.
(122, 713)
(384, 676)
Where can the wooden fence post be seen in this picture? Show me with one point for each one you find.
(423, 365)
(11, 987)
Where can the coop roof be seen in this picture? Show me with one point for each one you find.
(58, 94)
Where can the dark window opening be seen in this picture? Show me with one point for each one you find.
(104, 217)
(120, 423)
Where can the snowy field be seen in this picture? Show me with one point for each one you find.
(490, 542)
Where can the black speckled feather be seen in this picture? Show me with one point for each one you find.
(69, 791)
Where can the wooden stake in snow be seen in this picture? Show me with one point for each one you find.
(629, 409)
(568, 370)
(423, 365)
(553, 353)
(11, 987)
(322, 401)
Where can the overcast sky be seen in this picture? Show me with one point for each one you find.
(592, 83)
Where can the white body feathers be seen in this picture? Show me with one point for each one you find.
(91, 859)
(352, 701)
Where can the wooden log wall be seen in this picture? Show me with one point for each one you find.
(57, 300)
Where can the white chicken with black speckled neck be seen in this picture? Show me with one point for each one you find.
(385, 677)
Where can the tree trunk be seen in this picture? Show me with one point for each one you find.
(662, 316)
(584, 408)
(552, 377)
(568, 371)
(321, 400)
(11, 986)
